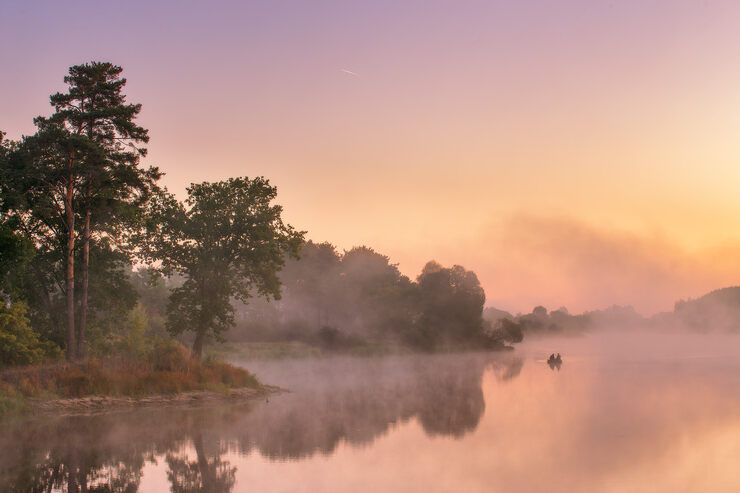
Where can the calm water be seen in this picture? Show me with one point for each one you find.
(626, 414)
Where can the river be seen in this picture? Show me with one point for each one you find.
(625, 412)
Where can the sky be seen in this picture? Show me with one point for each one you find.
(577, 153)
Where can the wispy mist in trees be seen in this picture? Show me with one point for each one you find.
(360, 294)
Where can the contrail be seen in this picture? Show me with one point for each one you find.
(349, 72)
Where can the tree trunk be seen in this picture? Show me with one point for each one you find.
(206, 471)
(46, 299)
(198, 345)
(83, 301)
(200, 332)
(70, 284)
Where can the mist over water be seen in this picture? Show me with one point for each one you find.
(625, 412)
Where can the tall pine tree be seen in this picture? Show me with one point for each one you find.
(112, 188)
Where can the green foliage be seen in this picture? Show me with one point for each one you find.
(12, 402)
(94, 108)
(361, 299)
(38, 186)
(111, 297)
(153, 292)
(128, 340)
(228, 241)
(15, 254)
(506, 330)
(360, 292)
(377, 293)
(19, 344)
(169, 355)
(451, 307)
(75, 182)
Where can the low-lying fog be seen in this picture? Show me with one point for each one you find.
(625, 412)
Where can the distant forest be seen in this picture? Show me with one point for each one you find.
(356, 297)
(716, 311)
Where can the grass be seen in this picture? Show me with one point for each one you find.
(11, 402)
(170, 370)
(266, 350)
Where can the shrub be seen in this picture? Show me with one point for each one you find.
(11, 402)
(170, 355)
(19, 343)
(133, 342)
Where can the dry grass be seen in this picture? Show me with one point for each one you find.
(169, 370)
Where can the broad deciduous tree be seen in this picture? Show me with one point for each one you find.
(228, 241)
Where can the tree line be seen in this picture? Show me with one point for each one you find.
(78, 209)
(359, 296)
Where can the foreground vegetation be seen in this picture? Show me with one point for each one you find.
(168, 370)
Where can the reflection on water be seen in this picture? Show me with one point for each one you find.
(612, 419)
(335, 400)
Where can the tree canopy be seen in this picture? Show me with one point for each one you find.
(228, 240)
(77, 180)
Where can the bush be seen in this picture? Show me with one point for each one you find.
(133, 342)
(170, 355)
(120, 378)
(19, 343)
(11, 402)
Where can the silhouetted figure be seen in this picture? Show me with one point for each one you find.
(554, 361)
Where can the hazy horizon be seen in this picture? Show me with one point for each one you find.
(582, 154)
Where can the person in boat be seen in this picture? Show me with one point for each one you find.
(558, 358)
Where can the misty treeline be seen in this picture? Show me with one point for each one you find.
(541, 322)
(79, 210)
(359, 296)
(717, 311)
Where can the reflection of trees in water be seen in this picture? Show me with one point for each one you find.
(363, 400)
(452, 404)
(357, 404)
(40, 458)
(207, 475)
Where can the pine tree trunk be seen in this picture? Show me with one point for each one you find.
(83, 301)
(70, 284)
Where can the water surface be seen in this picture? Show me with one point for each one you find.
(623, 413)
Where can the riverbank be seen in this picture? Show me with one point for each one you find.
(101, 403)
(245, 351)
(171, 378)
(267, 350)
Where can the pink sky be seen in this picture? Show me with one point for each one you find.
(580, 153)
